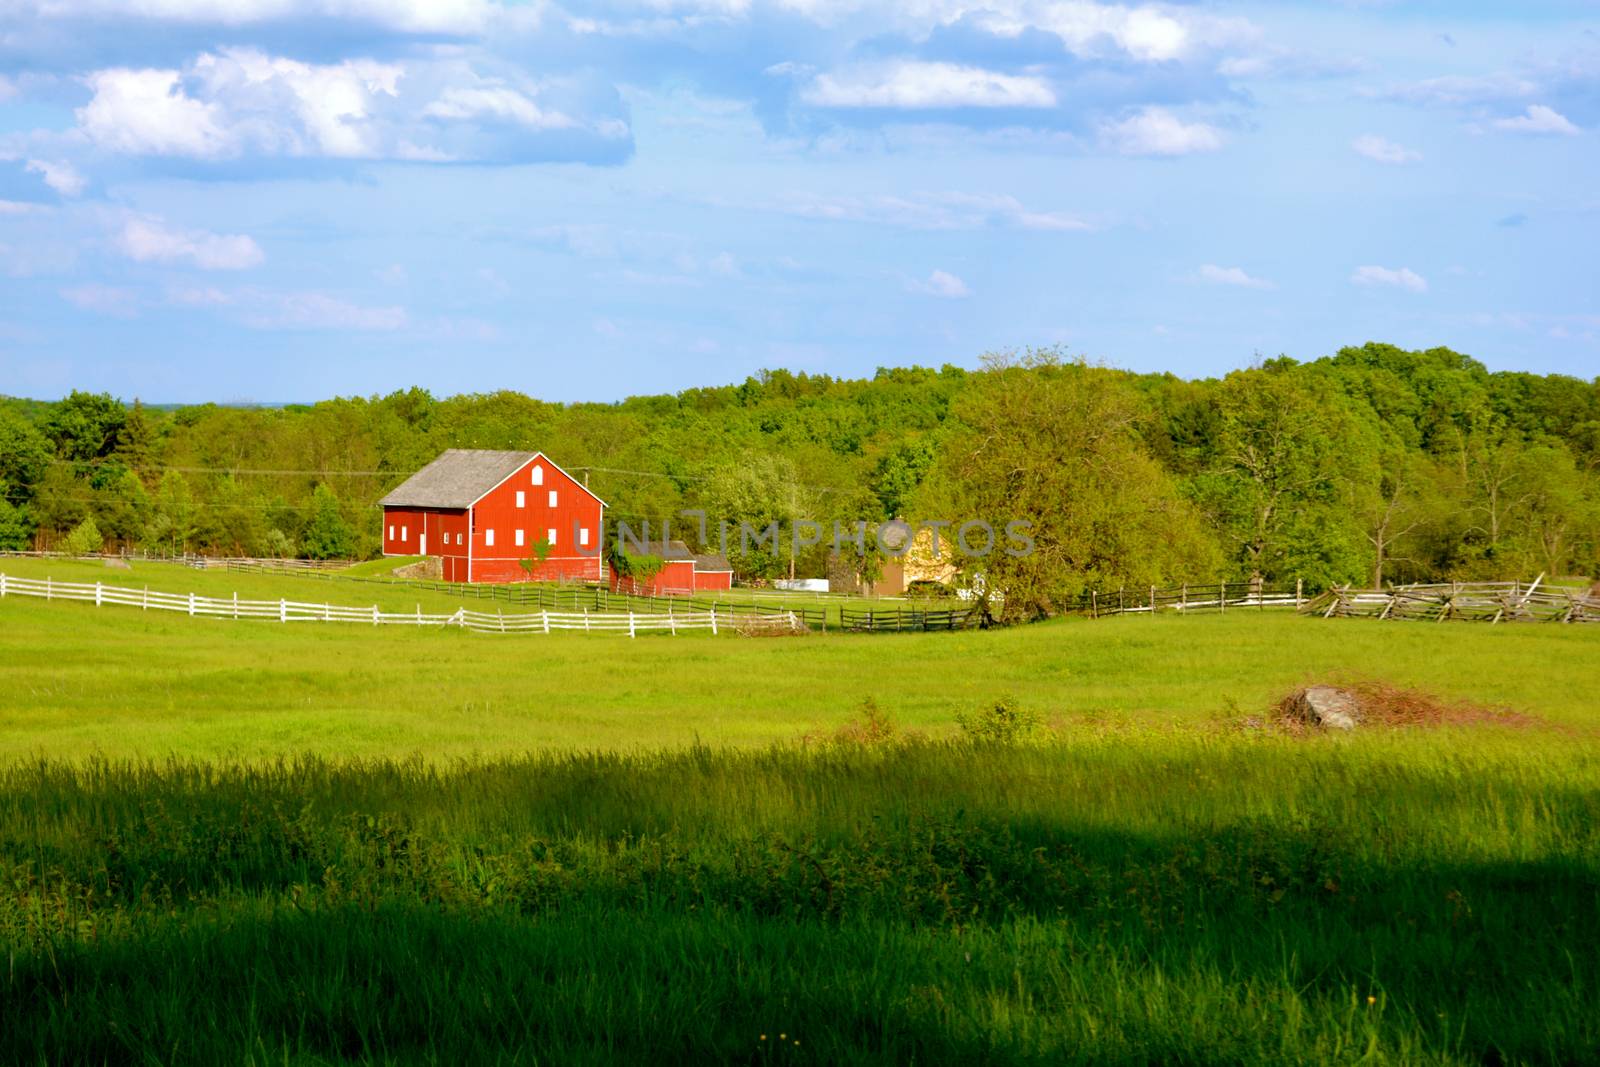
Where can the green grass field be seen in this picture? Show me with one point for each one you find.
(245, 842)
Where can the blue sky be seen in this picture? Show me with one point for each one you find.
(272, 200)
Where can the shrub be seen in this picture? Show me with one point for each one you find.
(84, 540)
(870, 728)
(1001, 723)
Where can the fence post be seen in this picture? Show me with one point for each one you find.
(1183, 598)
(191, 604)
(1297, 589)
(1222, 597)
(236, 603)
(283, 610)
(1152, 601)
(713, 618)
(630, 621)
(502, 616)
(585, 620)
(1094, 604)
(419, 614)
(374, 614)
(2, 584)
(47, 587)
(546, 615)
(327, 616)
(672, 623)
(97, 594)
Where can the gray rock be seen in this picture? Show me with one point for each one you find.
(1327, 707)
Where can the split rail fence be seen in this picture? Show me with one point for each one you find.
(286, 611)
(1490, 602)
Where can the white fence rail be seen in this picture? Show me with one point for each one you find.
(286, 611)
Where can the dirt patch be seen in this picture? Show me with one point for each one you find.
(1382, 705)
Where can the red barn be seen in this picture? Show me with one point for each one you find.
(482, 512)
(681, 572)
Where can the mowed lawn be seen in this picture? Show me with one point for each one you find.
(78, 681)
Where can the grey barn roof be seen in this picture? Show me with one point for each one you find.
(457, 479)
(712, 563)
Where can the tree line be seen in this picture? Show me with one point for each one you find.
(1372, 465)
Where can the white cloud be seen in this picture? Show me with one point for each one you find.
(408, 16)
(1458, 90)
(1216, 275)
(147, 112)
(8, 88)
(941, 284)
(912, 84)
(238, 102)
(319, 311)
(1147, 32)
(497, 102)
(19, 207)
(1155, 131)
(1402, 278)
(105, 299)
(150, 240)
(332, 103)
(1537, 119)
(59, 175)
(1383, 150)
(932, 211)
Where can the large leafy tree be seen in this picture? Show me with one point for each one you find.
(327, 535)
(1055, 445)
(1287, 454)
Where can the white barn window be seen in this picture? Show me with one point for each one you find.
(552, 498)
(403, 533)
(583, 535)
(488, 538)
(391, 531)
(519, 538)
(522, 499)
(538, 475)
(550, 535)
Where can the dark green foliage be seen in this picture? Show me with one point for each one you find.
(16, 529)
(327, 535)
(1123, 899)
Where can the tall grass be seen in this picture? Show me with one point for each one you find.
(1111, 896)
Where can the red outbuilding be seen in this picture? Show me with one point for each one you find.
(485, 513)
(682, 572)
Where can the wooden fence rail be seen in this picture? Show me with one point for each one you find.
(1490, 602)
(1220, 597)
(286, 611)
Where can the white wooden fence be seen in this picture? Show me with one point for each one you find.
(286, 611)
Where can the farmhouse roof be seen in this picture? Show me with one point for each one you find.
(712, 563)
(459, 478)
(676, 550)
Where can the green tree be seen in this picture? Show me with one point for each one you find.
(1287, 457)
(327, 535)
(84, 540)
(84, 426)
(24, 456)
(16, 527)
(172, 527)
(1056, 445)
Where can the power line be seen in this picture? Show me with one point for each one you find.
(324, 473)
